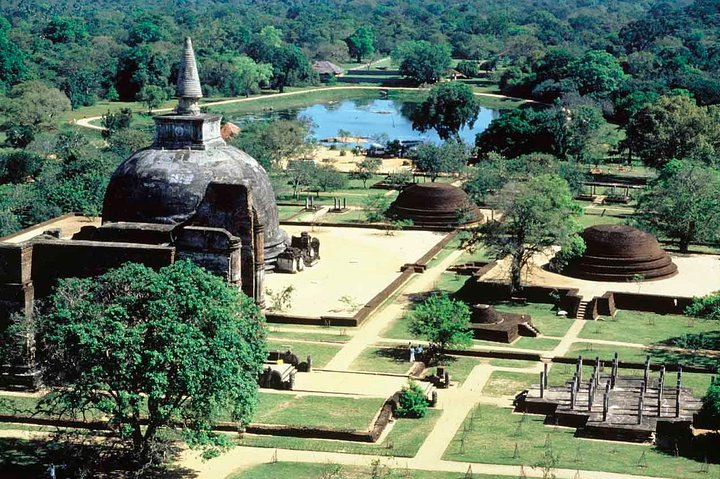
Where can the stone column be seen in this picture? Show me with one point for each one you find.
(259, 263)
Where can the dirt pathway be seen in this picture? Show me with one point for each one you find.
(456, 405)
(369, 333)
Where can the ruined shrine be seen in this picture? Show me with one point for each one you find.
(488, 324)
(620, 253)
(439, 205)
(187, 196)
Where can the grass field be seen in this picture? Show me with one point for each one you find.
(542, 316)
(404, 440)
(383, 360)
(492, 434)
(646, 328)
(299, 470)
(606, 351)
(317, 411)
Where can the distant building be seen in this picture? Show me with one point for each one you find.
(327, 70)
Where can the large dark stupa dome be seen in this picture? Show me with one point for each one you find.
(435, 204)
(166, 182)
(621, 253)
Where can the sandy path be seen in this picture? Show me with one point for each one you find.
(369, 333)
(87, 122)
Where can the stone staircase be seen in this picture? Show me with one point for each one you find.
(581, 309)
(527, 329)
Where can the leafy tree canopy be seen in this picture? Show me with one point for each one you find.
(442, 321)
(422, 61)
(448, 108)
(176, 347)
(683, 203)
(434, 160)
(361, 43)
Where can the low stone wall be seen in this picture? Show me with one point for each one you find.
(652, 303)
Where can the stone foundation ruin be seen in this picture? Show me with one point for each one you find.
(490, 325)
(611, 406)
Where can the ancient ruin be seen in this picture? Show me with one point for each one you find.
(187, 196)
(435, 205)
(621, 253)
(612, 406)
(490, 325)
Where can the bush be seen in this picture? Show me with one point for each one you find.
(413, 403)
(705, 307)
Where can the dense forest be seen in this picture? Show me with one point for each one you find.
(622, 61)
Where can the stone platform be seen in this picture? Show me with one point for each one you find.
(614, 407)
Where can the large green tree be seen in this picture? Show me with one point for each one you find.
(422, 61)
(361, 43)
(536, 214)
(683, 203)
(434, 160)
(598, 72)
(674, 127)
(448, 108)
(30, 107)
(273, 142)
(12, 59)
(442, 321)
(149, 349)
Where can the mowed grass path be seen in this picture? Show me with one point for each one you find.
(321, 353)
(491, 434)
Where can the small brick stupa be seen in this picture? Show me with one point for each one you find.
(621, 253)
(435, 205)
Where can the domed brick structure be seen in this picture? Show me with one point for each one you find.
(167, 182)
(435, 205)
(488, 324)
(621, 253)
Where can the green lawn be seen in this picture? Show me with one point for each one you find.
(592, 219)
(492, 434)
(404, 440)
(506, 383)
(383, 360)
(480, 254)
(321, 353)
(513, 363)
(317, 411)
(646, 328)
(459, 367)
(277, 334)
(300, 470)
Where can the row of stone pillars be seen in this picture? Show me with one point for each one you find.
(610, 385)
(339, 204)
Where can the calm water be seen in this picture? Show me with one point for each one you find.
(370, 119)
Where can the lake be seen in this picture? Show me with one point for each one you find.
(368, 119)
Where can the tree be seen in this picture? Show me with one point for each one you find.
(375, 208)
(276, 141)
(674, 127)
(536, 214)
(114, 122)
(327, 178)
(300, 174)
(12, 59)
(433, 160)
(152, 96)
(598, 72)
(366, 169)
(65, 30)
(250, 76)
(443, 322)
(290, 67)
(683, 203)
(469, 68)
(361, 43)
(177, 347)
(710, 410)
(448, 108)
(413, 402)
(31, 106)
(422, 61)
(574, 131)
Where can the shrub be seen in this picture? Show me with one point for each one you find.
(413, 402)
(705, 307)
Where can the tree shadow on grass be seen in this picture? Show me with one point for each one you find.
(22, 458)
(692, 343)
(397, 355)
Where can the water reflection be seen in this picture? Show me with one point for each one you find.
(368, 119)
